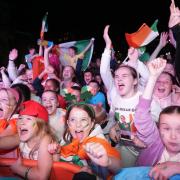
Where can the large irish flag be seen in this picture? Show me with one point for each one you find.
(80, 45)
(143, 36)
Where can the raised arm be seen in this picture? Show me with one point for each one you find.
(46, 55)
(162, 43)
(11, 68)
(146, 127)
(141, 68)
(174, 22)
(5, 78)
(105, 70)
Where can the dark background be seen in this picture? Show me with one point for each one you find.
(20, 22)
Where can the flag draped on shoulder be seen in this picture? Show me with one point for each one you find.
(44, 27)
(84, 50)
(143, 36)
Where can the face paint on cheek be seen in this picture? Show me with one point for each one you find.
(34, 124)
(86, 125)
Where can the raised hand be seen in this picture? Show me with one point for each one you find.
(174, 15)
(13, 54)
(97, 153)
(107, 38)
(156, 66)
(2, 69)
(47, 48)
(163, 39)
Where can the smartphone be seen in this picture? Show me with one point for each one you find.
(126, 138)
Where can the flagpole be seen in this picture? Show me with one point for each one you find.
(125, 59)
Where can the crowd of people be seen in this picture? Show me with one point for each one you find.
(128, 115)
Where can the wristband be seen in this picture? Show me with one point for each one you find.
(26, 173)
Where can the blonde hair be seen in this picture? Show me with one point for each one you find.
(43, 129)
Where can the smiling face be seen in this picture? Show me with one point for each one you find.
(88, 77)
(163, 86)
(125, 82)
(50, 102)
(79, 123)
(27, 128)
(95, 88)
(68, 73)
(7, 103)
(170, 132)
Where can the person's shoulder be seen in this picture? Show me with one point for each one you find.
(46, 139)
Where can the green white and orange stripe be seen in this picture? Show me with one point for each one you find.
(80, 45)
(143, 36)
(44, 27)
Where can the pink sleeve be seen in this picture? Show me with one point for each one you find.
(147, 129)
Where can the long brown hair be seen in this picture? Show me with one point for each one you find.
(81, 105)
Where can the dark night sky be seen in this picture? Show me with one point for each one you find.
(81, 19)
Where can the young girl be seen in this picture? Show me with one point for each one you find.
(85, 142)
(9, 102)
(56, 114)
(35, 135)
(164, 93)
(124, 96)
(163, 145)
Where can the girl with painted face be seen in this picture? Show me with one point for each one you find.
(56, 114)
(163, 143)
(124, 95)
(34, 136)
(86, 144)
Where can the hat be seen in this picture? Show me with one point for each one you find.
(33, 108)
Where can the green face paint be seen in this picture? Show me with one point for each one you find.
(34, 124)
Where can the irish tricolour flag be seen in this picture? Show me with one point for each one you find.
(44, 27)
(80, 46)
(143, 36)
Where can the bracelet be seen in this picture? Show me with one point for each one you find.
(26, 173)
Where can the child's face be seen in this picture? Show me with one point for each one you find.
(50, 102)
(27, 128)
(98, 79)
(71, 52)
(163, 86)
(7, 103)
(77, 94)
(67, 73)
(79, 124)
(49, 86)
(87, 77)
(32, 51)
(169, 128)
(124, 81)
(95, 88)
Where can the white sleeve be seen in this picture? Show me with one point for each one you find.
(155, 110)
(105, 70)
(12, 70)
